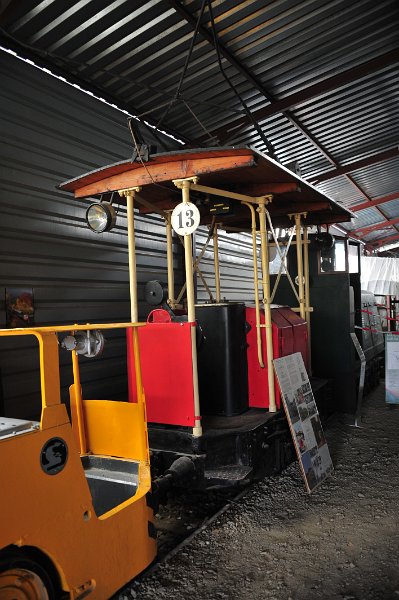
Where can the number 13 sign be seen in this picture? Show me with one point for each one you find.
(185, 218)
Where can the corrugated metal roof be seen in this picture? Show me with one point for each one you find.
(380, 234)
(365, 218)
(135, 53)
(391, 209)
(341, 190)
(380, 179)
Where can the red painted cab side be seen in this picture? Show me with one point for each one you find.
(167, 372)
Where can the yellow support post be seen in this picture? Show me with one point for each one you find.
(184, 185)
(77, 399)
(298, 235)
(216, 262)
(266, 301)
(169, 255)
(307, 290)
(256, 284)
(140, 395)
(129, 195)
(188, 256)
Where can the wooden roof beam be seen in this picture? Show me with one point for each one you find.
(155, 173)
(297, 207)
(260, 189)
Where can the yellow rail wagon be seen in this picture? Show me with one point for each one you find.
(75, 519)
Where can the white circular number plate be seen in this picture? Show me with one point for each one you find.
(185, 218)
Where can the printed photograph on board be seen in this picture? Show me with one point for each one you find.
(292, 408)
(311, 406)
(309, 398)
(308, 432)
(326, 462)
(310, 476)
(318, 431)
(303, 411)
(300, 437)
(317, 467)
(299, 396)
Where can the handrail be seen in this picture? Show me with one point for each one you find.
(256, 284)
(61, 328)
(50, 372)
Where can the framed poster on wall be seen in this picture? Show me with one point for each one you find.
(19, 307)
(304, 421)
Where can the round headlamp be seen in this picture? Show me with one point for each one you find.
(100, 217)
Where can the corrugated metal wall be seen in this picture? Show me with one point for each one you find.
(51, 132)
(236, 272)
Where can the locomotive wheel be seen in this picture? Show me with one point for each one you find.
(23, 579)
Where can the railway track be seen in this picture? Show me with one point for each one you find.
(179, 521)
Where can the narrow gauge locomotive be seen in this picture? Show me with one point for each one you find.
(213, 405)
(340, 308)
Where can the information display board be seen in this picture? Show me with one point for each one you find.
(303, 418)
(392, 368)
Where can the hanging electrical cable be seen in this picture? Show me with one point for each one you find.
(183, 73)
(268, 144)
(177, 97)
(211, 137)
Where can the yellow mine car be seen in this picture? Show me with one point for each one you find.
(75, 515)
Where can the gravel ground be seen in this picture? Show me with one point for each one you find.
(278, 543)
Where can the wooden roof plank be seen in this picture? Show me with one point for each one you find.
(231, 169)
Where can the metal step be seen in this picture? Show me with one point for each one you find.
(234, 474)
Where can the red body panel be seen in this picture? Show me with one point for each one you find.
(300, 332)
(167, 372)
(288, 333)
(166, 363)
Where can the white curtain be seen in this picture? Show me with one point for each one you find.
(380, 275)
